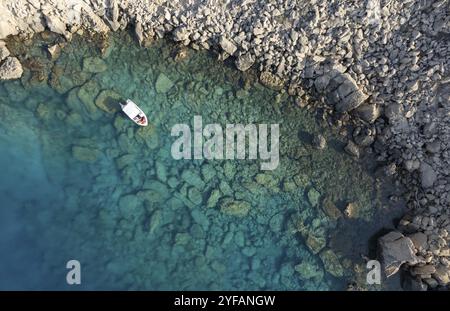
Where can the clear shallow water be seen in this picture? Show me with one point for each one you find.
(80, 181)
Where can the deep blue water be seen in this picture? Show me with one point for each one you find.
(78, 182)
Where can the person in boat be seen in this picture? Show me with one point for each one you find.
(140, 119)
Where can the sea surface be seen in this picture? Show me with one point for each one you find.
(80, 181)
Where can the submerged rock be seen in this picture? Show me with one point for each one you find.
(309, 270)
(316, 242)
(195, 196)
(235, 208)
(214, 198)
(319, 142)
(313, 196)
(332, 263)
(351, 210)
(155, 221)
(85, 154)
(163, 83)
(268, 181)
(94, 65)
(193, 178)
(108, 101)
(352, 149)
(180, 53)
(330, 209)
(10, 69)
(271, 81)
(54, 51)
(87, 93)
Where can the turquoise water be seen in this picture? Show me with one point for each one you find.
(81, 181)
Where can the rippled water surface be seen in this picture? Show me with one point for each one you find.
(80, 181)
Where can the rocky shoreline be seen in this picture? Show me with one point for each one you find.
(378, 72)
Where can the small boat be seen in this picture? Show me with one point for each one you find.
(134, 113)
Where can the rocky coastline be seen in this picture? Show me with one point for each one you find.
(377, 71)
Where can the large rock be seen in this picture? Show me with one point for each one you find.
(313, 196)
(139, 33)
(419, 240)
(108, 101)
(319, 141)
(315, 242)
(395, 249)
(54, 51)
(87, 93)
(245, 61)
(235, 208)
(85, 154)
(227, 45)
(6, 29)
(368, 113)
(331, 263)
(442, 275)
(309, 270)
(10, 69)
(351, 101)
(94, 65)
(340, 89)
(330, 209)
(90, 18)
(181, 34)
(163, 83)
(427, 175)
(271, 81)
(424, 270)
(4, 52)
(352, 149)
(55, 24)
(113, 18)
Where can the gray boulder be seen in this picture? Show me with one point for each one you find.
(54, 51)
(351, 101)
(319, 141)
(180, 34)
(245, 61)
(427, 175)
(340, 89)
(94, 65)
(395, 249)
(352, 149)
(227, 45)
(11, 69)
(163, 83)
(55, 24)
(4, 52)
(368, 113)
(271, 81)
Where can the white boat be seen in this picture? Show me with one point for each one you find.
(134, 113)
